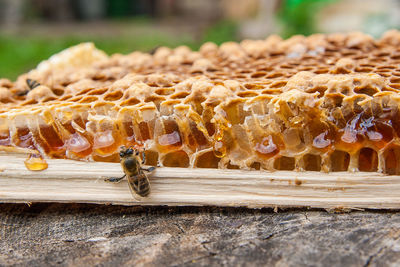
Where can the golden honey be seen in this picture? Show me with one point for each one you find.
(35, 162)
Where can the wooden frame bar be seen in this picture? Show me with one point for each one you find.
(77, 181)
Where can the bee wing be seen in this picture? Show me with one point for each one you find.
(139, 184)
(32, 84)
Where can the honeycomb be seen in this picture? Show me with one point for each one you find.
(319, 103)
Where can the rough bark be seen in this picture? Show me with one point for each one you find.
(84, 234)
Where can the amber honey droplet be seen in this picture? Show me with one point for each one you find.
(219, 149)
(219, 145)
(35, 162)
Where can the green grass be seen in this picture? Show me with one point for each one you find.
(220, 32)
(298, 16)
(19, 54)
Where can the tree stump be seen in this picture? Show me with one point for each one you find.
(87, 234)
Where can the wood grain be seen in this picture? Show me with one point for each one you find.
(83, 182)
(56, 234)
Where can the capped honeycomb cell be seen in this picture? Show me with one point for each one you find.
(317, 103)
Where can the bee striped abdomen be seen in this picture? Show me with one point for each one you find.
(140, 184)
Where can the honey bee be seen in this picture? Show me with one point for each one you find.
(32, 84)
(130, 161)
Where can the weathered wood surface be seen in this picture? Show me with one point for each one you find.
(87, 235)
(83, 182)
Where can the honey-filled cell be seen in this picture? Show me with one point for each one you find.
(284, 163)
(312, 162)
(368, 160)
(5, 139)
(232, 166)
(167, 134)
(151, 157)
(339, 161)
(23, 138)
(207, 160)
(176, 159)
(109, 158)
(392, 160)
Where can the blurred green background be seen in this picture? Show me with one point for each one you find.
(33, 30)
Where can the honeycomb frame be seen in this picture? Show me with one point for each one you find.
(319, 103)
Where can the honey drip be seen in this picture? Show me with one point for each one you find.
(35, 162)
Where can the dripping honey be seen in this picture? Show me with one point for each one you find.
(35, 162)
(328, 140)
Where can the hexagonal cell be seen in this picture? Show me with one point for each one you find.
(312, 162)
(339, 161)
(392, 158)
(113, 96)
(258, 74)
(232, 166)
(368, 160)
(58, 91)
(284, 164)
(130, 102)
(151, 157)
(99, 91)
(366, 90)
(111, 158)
(255, 165)
(164, 91)
(176, 159)
(207, 160)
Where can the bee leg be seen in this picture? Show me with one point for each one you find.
(143, 157)
(150, 169)
(114, 179)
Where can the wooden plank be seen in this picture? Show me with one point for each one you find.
(76, 181)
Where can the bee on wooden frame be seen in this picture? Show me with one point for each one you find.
(130, 161)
